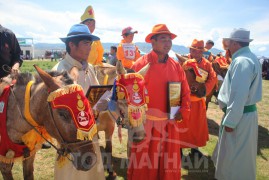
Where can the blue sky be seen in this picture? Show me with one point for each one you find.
(47, 20)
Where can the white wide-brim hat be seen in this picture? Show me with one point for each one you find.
(240, 35)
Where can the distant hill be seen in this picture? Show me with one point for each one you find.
(40, 48)
(47, 46)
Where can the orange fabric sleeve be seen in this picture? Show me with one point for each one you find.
(185, 95)
(96, 54)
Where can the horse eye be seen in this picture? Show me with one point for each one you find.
(64, 114)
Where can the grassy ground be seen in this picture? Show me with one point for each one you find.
(45, 158)
(27, 66)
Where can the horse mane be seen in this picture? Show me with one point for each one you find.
(66, 78)
(24, 78)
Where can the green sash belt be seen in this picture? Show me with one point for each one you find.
(247, 109)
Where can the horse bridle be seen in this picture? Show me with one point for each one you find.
(65, 148)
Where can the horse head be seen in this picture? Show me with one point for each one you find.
(131, 98)
(70, 120)
(194, 78)
(220, 66)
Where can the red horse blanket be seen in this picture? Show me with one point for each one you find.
(5, 143)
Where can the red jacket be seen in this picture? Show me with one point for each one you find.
(156, 80)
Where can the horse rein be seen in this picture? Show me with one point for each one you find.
(6, 68)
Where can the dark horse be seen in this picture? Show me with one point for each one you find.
(58, 123)
(265, 69)
(197, 89)
(221, 68)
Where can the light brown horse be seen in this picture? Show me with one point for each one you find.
(120, 114)
(57, 122)
(105, 74)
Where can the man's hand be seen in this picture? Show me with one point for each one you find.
(15, 68)
(228, 129)
(178, 116)
(102, 105)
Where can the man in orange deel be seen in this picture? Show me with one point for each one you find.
(158, 155)
(198, 129)
(96, 55)
(128, 52)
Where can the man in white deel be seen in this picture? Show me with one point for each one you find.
(78, 45)
(235, 153)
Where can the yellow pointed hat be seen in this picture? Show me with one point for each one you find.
(88, 14)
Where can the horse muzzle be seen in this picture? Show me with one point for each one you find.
(83, 154)
(85, 161)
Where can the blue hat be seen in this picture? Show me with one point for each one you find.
(80, 30)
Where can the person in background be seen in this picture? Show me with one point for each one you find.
(97, 50)
(78, 46)
(158, 156)
(198, 128)
(235, 154)
(112, 57)
(127, 51)
(207, 53)
(10, 58)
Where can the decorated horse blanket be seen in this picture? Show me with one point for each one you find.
(7, 147)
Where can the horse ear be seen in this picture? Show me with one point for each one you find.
(48, 80)
(119, 68)
(144, 70)
(74, 74)
(181, 59)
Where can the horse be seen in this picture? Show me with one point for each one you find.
(107, 75)
(32, 119)
(265, 69)
(220, 66)
(197, 88)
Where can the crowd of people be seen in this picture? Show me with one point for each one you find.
(159, 155)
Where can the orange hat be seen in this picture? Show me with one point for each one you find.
(87, 15)
(198, 45)
(128, 30)
(159, 29)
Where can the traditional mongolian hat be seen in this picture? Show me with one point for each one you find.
(87, 15)
(159, 29)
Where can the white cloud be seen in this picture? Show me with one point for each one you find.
(31, 20)
(28, 19)
(262, 49)
(259, 30)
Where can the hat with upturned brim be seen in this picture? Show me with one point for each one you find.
(80, 30)
(240, 35)
(87, 15)
(198, 45)
(159, 29)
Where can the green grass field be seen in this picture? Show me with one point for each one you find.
(27, 66)
(44, 161)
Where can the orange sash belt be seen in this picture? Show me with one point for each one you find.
(154, 118)
(195, 99)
